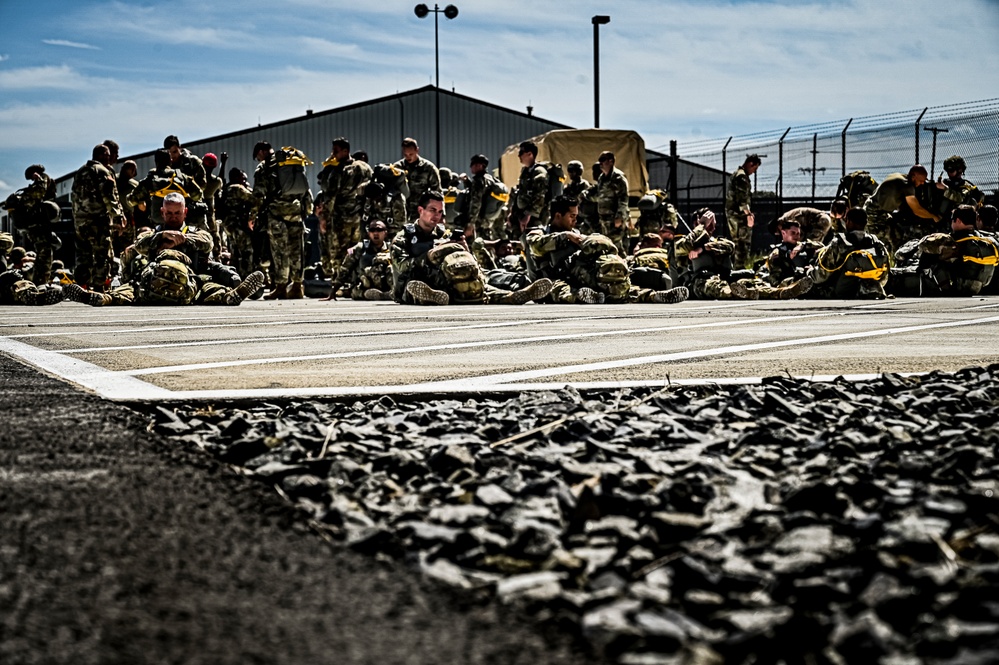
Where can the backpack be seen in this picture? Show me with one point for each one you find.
(857, 187)
(464, 277)
(979, 257)
(556, 178)
(291, 163)
(166, 186)
(612, 276)
(495, 200)
(597, 244)
(167, 280)
(652, 257)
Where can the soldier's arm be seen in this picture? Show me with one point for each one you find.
(147, 243)
(345, 275)
(622, 199)
(541, 244)
(918, 209)
(200, 239)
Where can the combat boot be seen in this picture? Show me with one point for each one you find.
(588, 296)
(534, 291)
(295, 291)
(253, 283)
(678, 294)
(424, 295)
(377, 294)
(743, 292)
(77, 293)
(280, 292)
(46, 295)
(799, 288)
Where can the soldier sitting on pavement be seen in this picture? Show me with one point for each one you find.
(854, 264)
(585, 269)
(366, 270)
(711, 275)
(959, 263)
(15, 289)
(791, 258)
(175, 253)
(431, 268)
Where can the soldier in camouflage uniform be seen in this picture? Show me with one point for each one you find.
(791, 258)
(655, 211)
(711, 276)
(15, 289)
(95, 209)
(344, 204)
(421, 175)
(480, 185)
(530, 205)
(184, 161)
(897, 192)
(611, 198)
(33, 210)
(738, 210)
(954, 190)
(212, 192)
(812, 223)
(285, 225)
(161, 180)
(177, 271)
(854, 264)
(385, 198)
(366, 270)
(238, 208)
(134, 218)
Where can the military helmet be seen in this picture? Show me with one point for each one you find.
(955, 163)
(446, 176)
(575, 167)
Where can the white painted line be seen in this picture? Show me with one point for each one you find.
(509, 377)
(441, 389)
(282, 338)
(99, 380)
(172, 369)
(123, 315)
(989, 306)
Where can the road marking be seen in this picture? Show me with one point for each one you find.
(510, 377)
(98, 379)
(172, 369)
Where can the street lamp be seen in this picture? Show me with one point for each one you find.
(597, 22)
(449, 12)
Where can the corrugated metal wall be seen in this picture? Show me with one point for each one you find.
(468, 126)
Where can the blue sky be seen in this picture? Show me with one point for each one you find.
(75, 73)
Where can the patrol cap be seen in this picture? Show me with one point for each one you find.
(479, 159)
(574, 165)
(34, 168)
(604, 156)
(377, 225)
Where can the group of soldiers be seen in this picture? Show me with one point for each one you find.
(413, 233)
(907, 236)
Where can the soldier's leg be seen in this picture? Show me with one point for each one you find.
(277, 234)
(743, 246)
(84, 254)
(42, 241)
(296, 251)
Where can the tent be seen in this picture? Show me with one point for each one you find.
(564, 145)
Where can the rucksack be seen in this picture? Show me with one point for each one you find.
(556, 178)
(597, 244)
(464, 277)
(495, 200)
(857, 187)
(167, 186)
(612, 276)
(167, 280)
(652, 257)
(979, 257)
(291, 163)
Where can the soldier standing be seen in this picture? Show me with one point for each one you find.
(530, 209)
(344, 204)
(239, 206)
(161, 180)
(95, 209)
(213, 189)
(34, 209)
(611, 198)
(481, 185)
(283, 207)
(898, 192)
(421, 174)
(738, 210)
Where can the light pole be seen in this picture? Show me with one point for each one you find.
(597, 22)
(450, 12)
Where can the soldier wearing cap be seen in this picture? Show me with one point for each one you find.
(33, 210)
(611, 197)
(343, 189)
(421, 175)
(738, 210)
(480, 186)
(366, 271)
(530, 209)
(95, 209)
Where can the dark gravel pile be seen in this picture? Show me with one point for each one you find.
(791, 521)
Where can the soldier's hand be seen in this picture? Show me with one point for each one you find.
(172, 238)
(350, 252)
(750, 220)
(122, 222)
(250, 223)
(524, 221)
(575, 237)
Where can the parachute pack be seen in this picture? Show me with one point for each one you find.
(857, 187)
(556, 178)
(495, 200)
(291, 175)
(464, 277)
(168, 280)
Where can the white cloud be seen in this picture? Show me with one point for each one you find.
(65, 42)
(4, 56)
(59, 77)
(326, 48)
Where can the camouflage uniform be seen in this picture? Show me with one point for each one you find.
(123, 237)
(738, 200)
(239, 206)
(710, 273)
(345, 208)
(6, 244)
(212, 190)
(532, 196)
(95, 209)
(364, 267)
(421, 176)
(551, 255)
(35, 218)
(836, 277)
(655, 212)
(944, 264)
(151, 190)
(782, 268)
(611, 198)
(887, 198)
(409, 259)
(16, 290)
(479, 186)
(284, 222)
(814, 223)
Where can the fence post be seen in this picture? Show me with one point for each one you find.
(843, 151)
(672, 171)
(725, 171)
(919, 120)
(780, 169)
(815, 155)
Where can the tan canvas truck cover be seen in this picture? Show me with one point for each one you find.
(564, 145)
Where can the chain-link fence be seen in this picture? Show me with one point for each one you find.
(804, 165)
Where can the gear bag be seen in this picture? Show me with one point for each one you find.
(857, 187)
(556, 178)
(652, 257)
(464, 277)
(495, 200)
(597, 244)
(168, 280)
(291, 163)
